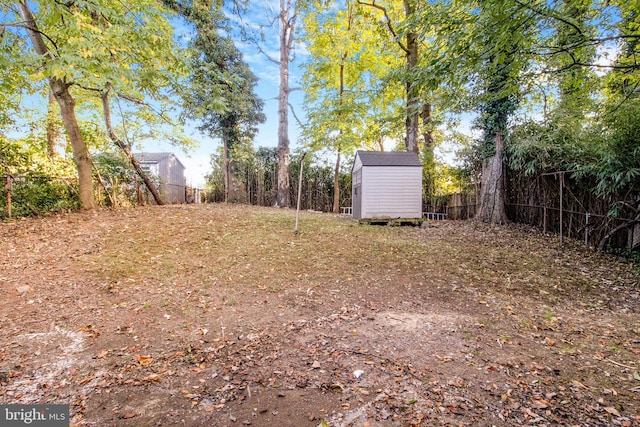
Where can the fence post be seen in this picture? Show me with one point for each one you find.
(586, 229)
(7, 186)
(561, 198)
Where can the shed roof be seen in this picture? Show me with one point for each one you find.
(155, 157)
(388, 158)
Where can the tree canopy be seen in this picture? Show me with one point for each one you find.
(552, 85)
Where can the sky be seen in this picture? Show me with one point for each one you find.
(197, 162)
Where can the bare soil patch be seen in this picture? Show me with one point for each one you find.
(221, 315)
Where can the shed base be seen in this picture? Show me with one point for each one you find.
(392, 221)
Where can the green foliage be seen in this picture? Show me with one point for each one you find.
(256, 174)
(220, 90)
(616, 166)
(36, 195)
(537, 148)
(93, 46)
(119, 177)
(350, 99)
(38, 184)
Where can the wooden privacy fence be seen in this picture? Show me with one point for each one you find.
(567, 223)
(556, 203)
(559, 203)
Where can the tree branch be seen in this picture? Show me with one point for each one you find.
(388, 20)
(294, 115)
(124, 147)
(31, 28)
(549, 15)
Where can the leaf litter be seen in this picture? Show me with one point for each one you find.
(221, 315)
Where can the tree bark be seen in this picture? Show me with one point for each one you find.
(429, 146)
(231, 187)
(52, 128)
(413, 99)
(427, 125)
(283, 198)
(492, 190)
(127, 151)
(336, 185)
(60, 90)
(226, 171)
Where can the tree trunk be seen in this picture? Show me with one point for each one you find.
(127, 151)
(429, 155)
(413, 99)
(283, 198)
(80, 151)
(427, 126)
(52, 128)
(61, 92)
(336, 185)
(226, 167)
(492, 190)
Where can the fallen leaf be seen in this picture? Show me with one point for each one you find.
(539, 403)
(144, 360)
(152, 378)
(128, 415)
(612, 411)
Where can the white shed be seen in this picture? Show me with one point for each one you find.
(386, 185)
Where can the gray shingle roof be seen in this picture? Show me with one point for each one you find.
(388, 158)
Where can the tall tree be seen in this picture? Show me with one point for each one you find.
(344, 100)
(479, 49)
(504, 34)
(287, 26)
(236, 123)
(396, 17)
(221, 88)
(60, 88)
(82, 48)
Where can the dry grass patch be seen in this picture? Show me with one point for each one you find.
(222, 315)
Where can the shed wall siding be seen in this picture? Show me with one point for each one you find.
(394, 192)
(357, 164)
(171, 174)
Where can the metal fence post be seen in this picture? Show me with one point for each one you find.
(586, 229)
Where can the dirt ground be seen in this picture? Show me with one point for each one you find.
(219, 315)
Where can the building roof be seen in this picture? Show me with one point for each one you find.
(388, 158)
(155, 157)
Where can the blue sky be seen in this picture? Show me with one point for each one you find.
(197, 162)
